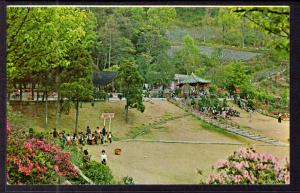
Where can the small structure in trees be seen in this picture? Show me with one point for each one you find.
(104, 78)
(188, 81)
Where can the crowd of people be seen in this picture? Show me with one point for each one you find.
(224, 112)
(98, 136)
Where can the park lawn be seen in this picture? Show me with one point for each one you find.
(190, 128)
(90, 116)
(169, 163)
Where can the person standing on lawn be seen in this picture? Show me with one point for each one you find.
(101, 137)
(110, 137)
(103, 131)
(279, 118)
(88, 130)
(103, 157)
(98, 131)
(55, 133)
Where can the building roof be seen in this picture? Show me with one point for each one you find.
(190, 79)
(181, 77)
(104, 77)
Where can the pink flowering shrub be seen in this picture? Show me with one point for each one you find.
(36, 161)
(247, 166)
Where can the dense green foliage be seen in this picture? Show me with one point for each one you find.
(132, 85)
(97, 172)
(189, 56)
(235, 77)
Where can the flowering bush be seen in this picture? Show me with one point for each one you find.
(247, 166)
(36, 161)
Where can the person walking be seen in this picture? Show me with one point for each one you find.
(103, 157)
(279, 118)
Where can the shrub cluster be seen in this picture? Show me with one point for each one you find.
(97, 172)
(247, 166)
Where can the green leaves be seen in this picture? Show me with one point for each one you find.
(97, 172)
(273, 20)
(77, 91)
(39, 39)
(189, 55)
(161, 17)
(235, 77)
(132, 84)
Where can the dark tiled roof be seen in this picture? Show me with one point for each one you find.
(104, 77)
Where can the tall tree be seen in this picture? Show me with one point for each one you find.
(78, 91)
(132, 86)
(235, 76)
(189, 55)
(38, 42)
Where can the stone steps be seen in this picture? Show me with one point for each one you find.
(231, 129)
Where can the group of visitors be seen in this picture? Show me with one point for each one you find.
(224, 112)
(89, 137)
(93, 137)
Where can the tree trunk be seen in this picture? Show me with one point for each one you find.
(223, 34)
(37, 96)
(21, 93)
(109, 53)
(43, 97)
(126, 111)
(32, 91)
(57, 121)
(21, 96)
(97, 61)
(243, 32)
(37, 101)
(76, 117)
(57, 101)
(8, 94)
(46, 109)
(126, 114)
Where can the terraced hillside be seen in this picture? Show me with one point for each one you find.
(226, 55)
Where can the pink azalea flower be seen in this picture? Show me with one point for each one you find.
(56, 168)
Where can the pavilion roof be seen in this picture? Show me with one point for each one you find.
(192, 79)
(104, 77)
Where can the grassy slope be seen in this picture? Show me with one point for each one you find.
(90, 116)
(157, 117)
